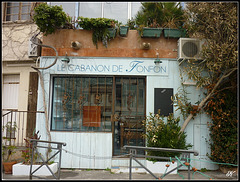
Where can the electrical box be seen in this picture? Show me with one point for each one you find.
(33, 49)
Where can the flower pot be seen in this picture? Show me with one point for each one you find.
(112, 32)
(7, 166)
(22, 169)
(160, 167)
(123, 30)
(174, 33)
(151, 32)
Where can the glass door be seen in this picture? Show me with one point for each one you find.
(129, 111)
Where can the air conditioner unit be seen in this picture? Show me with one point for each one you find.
(33, 49)
(189, 48)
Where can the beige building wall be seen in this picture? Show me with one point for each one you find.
(15, 60)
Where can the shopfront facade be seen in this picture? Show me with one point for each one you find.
(96, 104)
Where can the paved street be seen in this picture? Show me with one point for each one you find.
(108, 175)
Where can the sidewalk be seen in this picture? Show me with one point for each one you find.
(108, 175)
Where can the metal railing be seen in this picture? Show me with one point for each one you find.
(185, 154)
(58, 150)
(17, 125)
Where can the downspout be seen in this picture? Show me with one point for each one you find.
(42, 84)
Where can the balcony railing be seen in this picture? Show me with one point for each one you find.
(17, 125)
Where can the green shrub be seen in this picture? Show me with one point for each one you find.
(49, 18)
(164, 135)
(222, 109)
(160, 14)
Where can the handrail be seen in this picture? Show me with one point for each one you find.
(45, 162)
(44, 141)
(133, 155)
(162, 149)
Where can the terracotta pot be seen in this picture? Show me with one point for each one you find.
(7, 166)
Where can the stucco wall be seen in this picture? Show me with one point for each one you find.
(129, 46)
(15, 39)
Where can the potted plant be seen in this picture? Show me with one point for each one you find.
(103, 28)
(153, 17)
(8, 162)
(174, 33)
(23, 168)
(123, 30)
(163, 134)
(7, 149)
(174, 29)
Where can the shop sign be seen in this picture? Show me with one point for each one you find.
(113, 67)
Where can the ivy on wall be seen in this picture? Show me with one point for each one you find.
(222, 109)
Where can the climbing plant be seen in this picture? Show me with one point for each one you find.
(224, 127)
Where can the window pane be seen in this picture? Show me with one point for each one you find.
(13, 9)
(82, 103)
(90, 9)
(68, 7)
(130, 111)
(117, 11)
(136, 6)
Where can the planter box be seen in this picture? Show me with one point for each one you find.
(24, 170)
(151, 32)
(123, 30)
(174, 33)
(7, 166)
(112, 32)
(160, 167)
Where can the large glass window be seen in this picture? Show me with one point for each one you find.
(82, 103)
(101, 103)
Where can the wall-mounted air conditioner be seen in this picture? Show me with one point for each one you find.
(190, 48)
(33, 49)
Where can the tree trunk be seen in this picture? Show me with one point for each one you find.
(206, 98)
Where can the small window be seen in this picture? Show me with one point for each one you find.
(163, 101)
(13, 11)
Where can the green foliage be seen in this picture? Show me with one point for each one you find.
(9, 150)
(27, 153)
(50, 18)
(217, 24)
(164, 135)
(224, 127)
(100, 28)
(131, 24)
(160, 14)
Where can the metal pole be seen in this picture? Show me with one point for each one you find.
(188, 157)
(30, 175)
(60, 155)
(130, 167)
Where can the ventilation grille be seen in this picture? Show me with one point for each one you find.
(189, 48)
